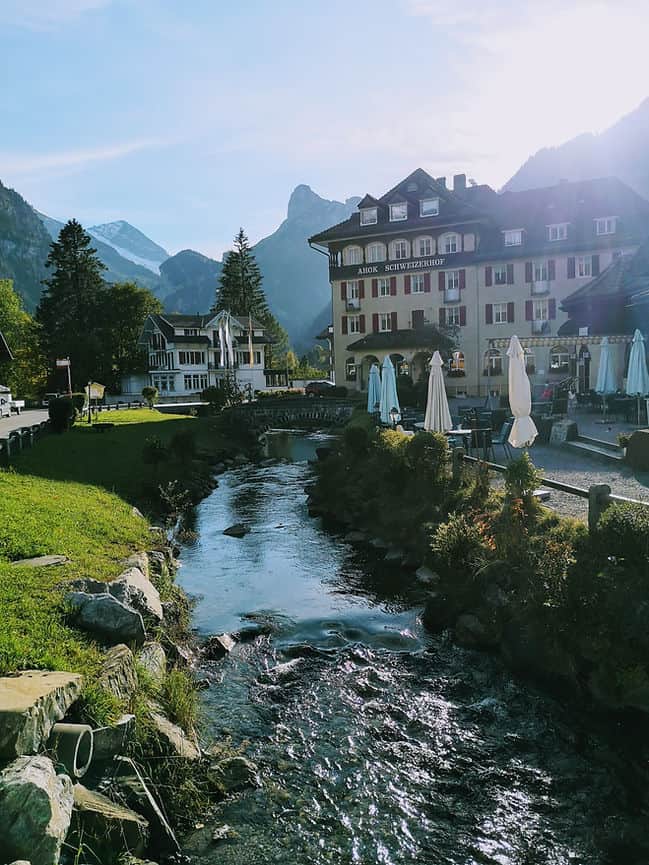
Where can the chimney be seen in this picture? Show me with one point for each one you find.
(459, 182)
(441, 181)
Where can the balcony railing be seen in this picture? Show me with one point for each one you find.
(540, 327)
(451, 295)
(352, 304)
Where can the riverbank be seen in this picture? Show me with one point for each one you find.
(504, 573)
(104, 605)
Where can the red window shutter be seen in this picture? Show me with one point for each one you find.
(375, 288)
(595, 265)
(361, 289)
(343, 291)
(489, 313)
(442, 316)
(552, 308)
(344, 324)
(510, 312)
(571, 267)
(552, 270)
(375, 322)
(394, 321)
(442, 280)
(361, 323)
(529, 311)
(462, 279)
(462, 316)
(393, 286)
(510, 274)
(407, 285)
(488, 276)
(427, 282)
(529, 275)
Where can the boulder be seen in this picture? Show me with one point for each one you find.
(252, 631)
(113, 739)
(140, 561)
(233, 774)
(35, 811)
(158, 564)
(30, 704)
(137, 592)
(105, 827)
(153, 659)
(218, 647)
(106, 615)
(172, 738)
(238, 530)
(439, 612)
(118, 674)
(426, 576)
(42, 561)
(474, 633)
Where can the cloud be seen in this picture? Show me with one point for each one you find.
(46, 14)
(20, 164)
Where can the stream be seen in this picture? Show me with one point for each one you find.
(377, 743)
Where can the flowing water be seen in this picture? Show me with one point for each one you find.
(377, 743)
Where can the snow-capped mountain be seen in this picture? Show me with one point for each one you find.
(131, 243)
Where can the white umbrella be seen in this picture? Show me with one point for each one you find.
(373, 389)
(606, 383)
(389, 398)
(637, 377)
(438, 417)
(524, 430)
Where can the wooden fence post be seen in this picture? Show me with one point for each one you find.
(598, 500)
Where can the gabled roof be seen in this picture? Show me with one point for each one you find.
(367, 201)
(420, 337)
(5, 351)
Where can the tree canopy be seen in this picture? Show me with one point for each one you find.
(26, 373)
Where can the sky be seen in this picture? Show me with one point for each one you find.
(189, 118)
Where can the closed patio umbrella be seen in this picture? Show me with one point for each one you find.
(389, 398)
(637, 377)
(524, 430)
(438, 417)
(373, 389)
(606, 383)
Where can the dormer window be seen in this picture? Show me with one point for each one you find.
(513, 237)
(369, 216)
(398, 212)
(429, 207)
(605, 225)
(557, 231)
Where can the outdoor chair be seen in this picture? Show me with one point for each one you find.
(481, 443)
(502, 438)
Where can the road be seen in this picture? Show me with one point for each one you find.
(26, 418)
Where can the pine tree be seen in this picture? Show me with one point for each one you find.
(240, 289)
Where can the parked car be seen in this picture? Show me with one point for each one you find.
(318, 388)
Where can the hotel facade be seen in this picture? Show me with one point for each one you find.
(479, 266)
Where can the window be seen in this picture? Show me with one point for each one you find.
(369, 216)
(453, 316)
(191, 331)
(352, 255)
(429, 207)
(398, 212)
(500, 274)
(400, 249)
(530, 361)
(384, 286)
(417, 283)
(493, 362)
(584, 265)
(424, 246)
(375, 252)
(385, 321)
(500, 313)
(354, 324)
(605, 225)
(451, 243)
(513, 237)
(557, 231)
(456, 364)
(157, 340)
(453, 279)
(350, 369)
(540, 310)
(191, 358)
(195, 382)
(353, 291)
(164, 382)
(559, 359)
(540, 271)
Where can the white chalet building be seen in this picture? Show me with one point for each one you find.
(184, 355)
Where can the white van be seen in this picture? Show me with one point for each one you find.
(5, 401)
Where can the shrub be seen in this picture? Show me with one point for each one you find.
(623, 533)
(521, 479)
(216, 397)
(426, 457)
(150, 394)
(357, 440)
(154, 451)
(462, 544)
(183, 445)
(61, 413)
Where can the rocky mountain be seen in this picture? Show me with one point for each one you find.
(190, 279)
(24, 245)
(620, 151)
(119, 268)
(131, 244)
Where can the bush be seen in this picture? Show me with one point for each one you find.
(154, 451)
(623, 533)
(281, 394)
(426, 457)
(78, 401)
(150, 394)
(183, 445)
(216, 397)
(61, 413)
(357, 440)
(460, 545)
(521, 479)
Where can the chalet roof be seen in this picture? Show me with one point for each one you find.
(367, 201)
(421, 337)
(5, 351)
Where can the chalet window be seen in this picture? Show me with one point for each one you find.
(500, 274)
(384, 286)
(400, 249)
(352, 255)
(605, 225)
(453, 316)
(398, 212)
(429, 207)
(557, 231)
(369, 216)
(195, 382)
(584, 265)
(191, 358)
(354, 324)
(500, 313)
(424, 246)
(417, 283)
(375, 252)
(513, 237)
(164, 382)
(385, 321)
(451, 243)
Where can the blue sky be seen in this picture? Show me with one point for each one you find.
(191, 118)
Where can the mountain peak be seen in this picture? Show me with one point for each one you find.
(301, 200)
(130, 243)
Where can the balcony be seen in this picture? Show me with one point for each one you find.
(352, 304)
(539, 288)
(452, 295)
(540, 327)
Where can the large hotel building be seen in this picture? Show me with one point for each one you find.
(480, 266)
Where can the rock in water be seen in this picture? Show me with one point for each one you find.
(30, 704)
(233, 775)
(238, 530)
(106, 615)
(218, 647)
(106, 828)
(35, 810)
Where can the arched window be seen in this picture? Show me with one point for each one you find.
(559, 359)
(350, 369)
(493, 363)
(456, 367)
(399, 249)
(450, 243)
(375, 252)
(530, 361)
(352, 255)
(424, 246)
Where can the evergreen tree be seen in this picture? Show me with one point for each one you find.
(26, 374)
(71, 306)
